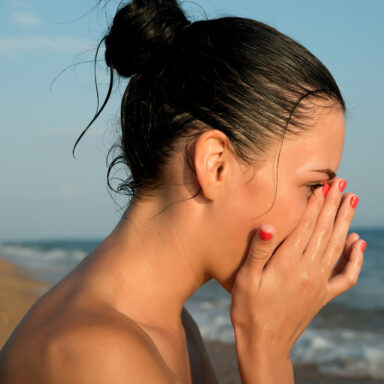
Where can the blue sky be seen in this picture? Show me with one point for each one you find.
(46, 193)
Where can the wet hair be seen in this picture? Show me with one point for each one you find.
(237, 75)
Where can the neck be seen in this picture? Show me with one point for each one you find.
(157, 261)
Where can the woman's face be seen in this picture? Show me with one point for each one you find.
(304, 162)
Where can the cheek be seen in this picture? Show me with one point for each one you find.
(236, 217)
(289, 213)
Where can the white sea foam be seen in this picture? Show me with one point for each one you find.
(343, 352)
(28, 255)
(47, 264)
(338, 352)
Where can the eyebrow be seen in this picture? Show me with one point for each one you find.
(331, 174)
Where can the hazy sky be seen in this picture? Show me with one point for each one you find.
(46, 193)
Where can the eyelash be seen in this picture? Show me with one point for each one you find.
(313, 187)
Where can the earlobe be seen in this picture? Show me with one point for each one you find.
(209, 162)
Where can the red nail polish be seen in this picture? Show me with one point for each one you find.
(354, 200)
(325, 189)
(363, 246)
(342, 185)
(265, 235)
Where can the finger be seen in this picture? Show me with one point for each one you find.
(342, 223)
(348, 277)
(299, 237)
(261, 248)
(325, 221)
(352, 237)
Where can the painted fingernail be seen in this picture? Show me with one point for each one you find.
(325, 189)
(354, 200)
(265, 236)
(342, 185)
(363, 246)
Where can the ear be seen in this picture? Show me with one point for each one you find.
(211, 162)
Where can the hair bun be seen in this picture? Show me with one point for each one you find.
(141, 34)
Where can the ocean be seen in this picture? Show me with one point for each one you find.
(346, 337)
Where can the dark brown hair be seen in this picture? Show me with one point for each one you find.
(233, 74)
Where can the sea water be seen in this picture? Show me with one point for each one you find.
(346, 337)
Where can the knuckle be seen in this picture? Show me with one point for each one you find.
(258, 254)
(307, 225)
(336, 246)
(360, 262)
(324, 271)
(309, 218)
(352, 279)
(334, 200)
(348, 215)
(244, 285)
(309, 277)
(317, 204)
(325, 229)
(304, 277)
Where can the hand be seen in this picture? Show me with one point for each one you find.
(276, 294)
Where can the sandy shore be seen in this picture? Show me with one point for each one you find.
(18, 293)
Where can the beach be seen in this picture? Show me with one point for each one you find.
(18, 293)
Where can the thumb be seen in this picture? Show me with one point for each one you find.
(261, 249)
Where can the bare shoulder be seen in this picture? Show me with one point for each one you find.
(97, 350)
(105, 352)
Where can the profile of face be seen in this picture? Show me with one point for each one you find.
(275, 193)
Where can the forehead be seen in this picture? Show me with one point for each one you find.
(320, 145)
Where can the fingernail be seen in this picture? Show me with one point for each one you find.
(354, 200)
(342, 185)
(265, 236)
(363, 246)
(325, 189)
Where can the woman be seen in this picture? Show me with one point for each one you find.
(233, 134)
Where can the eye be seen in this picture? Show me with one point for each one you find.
(313, 187)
